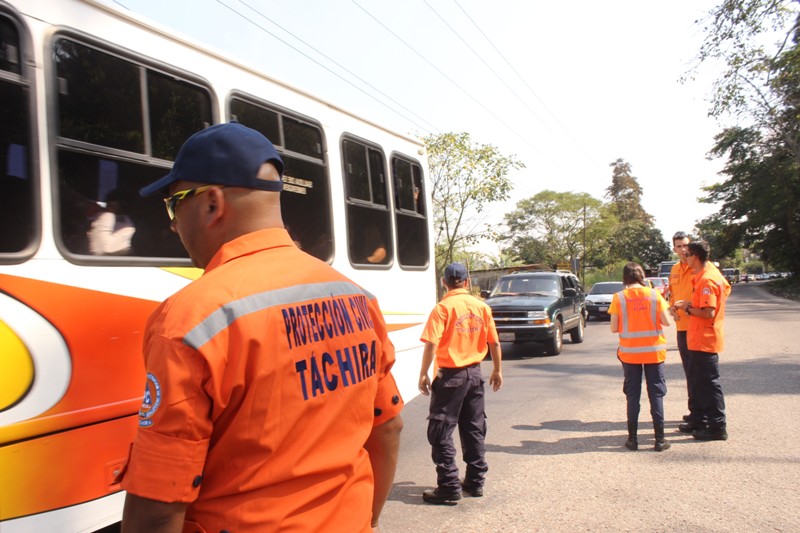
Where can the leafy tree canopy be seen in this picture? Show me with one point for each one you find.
(466, 178)
(625, 194)
(548, 227)
(761, 193)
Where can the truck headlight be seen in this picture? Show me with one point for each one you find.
(538, 317)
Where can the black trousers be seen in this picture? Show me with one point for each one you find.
(656, 390)
(708, 390)
(686, 360)
(457, 399)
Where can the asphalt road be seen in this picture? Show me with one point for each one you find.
(557, 428)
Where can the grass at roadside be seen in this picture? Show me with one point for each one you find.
(788, 288)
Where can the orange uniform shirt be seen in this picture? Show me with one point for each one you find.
(460, 326)
(680, 288)
(711, 289)
(641, 337)
(264, 379)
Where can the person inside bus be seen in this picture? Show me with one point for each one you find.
(268, 406)
(111, 230)
(376, 246)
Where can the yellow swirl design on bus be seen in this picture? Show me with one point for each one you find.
(16, 368)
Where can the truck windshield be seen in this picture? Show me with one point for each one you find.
(526, 286)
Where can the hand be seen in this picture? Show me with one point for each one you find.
(673, 312)
(496, 380)
(424, 384)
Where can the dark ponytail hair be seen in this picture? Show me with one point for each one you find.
(632, 273)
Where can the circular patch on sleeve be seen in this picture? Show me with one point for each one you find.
(151, 400)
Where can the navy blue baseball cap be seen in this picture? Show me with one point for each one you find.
(225, 154)
(455, 272)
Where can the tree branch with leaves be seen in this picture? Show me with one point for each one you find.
(465, 177)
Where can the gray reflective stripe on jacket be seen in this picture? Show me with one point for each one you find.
(229, 312)
(624, 333)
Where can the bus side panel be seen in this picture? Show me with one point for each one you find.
(67, 433)
(102, 334)
(63, 469)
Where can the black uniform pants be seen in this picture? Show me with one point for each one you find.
(708, 389)
(686, 360)
(457, 399)
(656, 390)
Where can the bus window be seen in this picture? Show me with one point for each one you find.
(410, 213)
(89, 185)
(98, 95)
(178, 110)
(17, 227)
(101, 111)
(302, 138)
(368, 223)
(305, 200)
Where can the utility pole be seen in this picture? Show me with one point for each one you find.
(583, 255)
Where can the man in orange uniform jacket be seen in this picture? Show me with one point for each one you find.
(457, 333)
(269, 404)
(705, 339)
(680, 288)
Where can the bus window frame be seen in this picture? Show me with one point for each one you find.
(27, 81)
(323, 160)
(406, 212)
(57, 143)
(391, 250)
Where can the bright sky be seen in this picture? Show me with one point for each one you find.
(566, 87)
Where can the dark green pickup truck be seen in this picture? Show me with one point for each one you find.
(538, 307)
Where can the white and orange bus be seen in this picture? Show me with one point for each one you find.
(94, 103)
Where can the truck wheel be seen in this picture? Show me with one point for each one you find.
(553, 345)
(576, 333)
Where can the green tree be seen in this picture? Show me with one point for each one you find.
(503, 259)
(723, 237)
(759, 200)
(635, 238)
(761, 85)
(625, 194)
(466, 178)
(737, 33)
(548, 227)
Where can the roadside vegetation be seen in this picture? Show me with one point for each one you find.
(785, 288)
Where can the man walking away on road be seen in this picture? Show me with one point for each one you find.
(680, 288)
(457, 332)
(705, 338)
(638, 314)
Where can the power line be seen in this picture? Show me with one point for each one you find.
(259, 13)
(523, 81)
(437, 69)
(502, 80)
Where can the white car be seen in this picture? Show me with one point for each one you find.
(599, 298)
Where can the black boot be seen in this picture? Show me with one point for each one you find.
(661, 443)
(633, 442)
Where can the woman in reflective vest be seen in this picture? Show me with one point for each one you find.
(638, 314)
